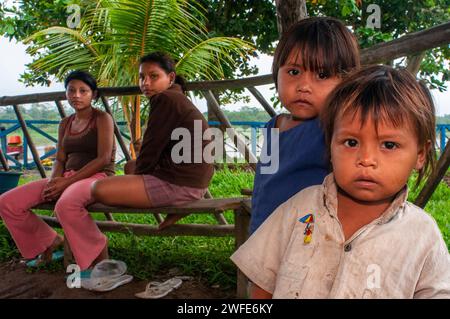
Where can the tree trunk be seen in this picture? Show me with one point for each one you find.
(289, 12)
(414, 63)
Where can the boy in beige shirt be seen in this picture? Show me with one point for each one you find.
(356, 236)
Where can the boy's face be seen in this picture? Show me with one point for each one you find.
(373, 165)
(302, 92)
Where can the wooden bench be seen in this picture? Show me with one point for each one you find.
(214, 206)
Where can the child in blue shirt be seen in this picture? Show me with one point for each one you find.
(356, 235)
(309, 61)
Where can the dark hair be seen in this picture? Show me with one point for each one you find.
(324, 44)
(166, 63)
(83, 76)
(388, 95)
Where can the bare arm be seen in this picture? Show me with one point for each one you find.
(259, 293)
(60, 161)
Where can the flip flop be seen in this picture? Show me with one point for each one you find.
(57, 255)
(155, 289)
(105, 283)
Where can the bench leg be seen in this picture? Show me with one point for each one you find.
(241, 226)
(109, 217)
(158, 218)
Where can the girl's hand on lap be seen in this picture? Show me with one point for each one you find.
(54, 188)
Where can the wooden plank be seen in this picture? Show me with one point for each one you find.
(60, 107)
(237, 141)
(269, 109)
(435, 178)
(4, 161)
(203, 206)
(247, 205)
(151, 230)
(134, 90)
(30, 142)
(119, 137)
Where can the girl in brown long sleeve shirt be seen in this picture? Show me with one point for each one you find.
(158, 178)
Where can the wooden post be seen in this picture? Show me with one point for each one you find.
(60, 107)
(238, 142)
(4, 161)
(241, 228)
(269, 109)
(434, 179)
(116, 130)
(36, 158)
(212, 117)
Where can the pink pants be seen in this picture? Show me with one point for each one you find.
(33, 236)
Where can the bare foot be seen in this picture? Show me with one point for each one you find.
(170, 220)
(102, 256)
(46, 256)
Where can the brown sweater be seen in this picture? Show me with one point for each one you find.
(171, 109)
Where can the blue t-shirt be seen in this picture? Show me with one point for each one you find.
(302, 163)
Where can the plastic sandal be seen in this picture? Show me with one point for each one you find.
(105, 283)
(57, 255)
(155, 289)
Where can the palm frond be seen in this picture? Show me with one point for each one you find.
(205, 61)
(66, 49)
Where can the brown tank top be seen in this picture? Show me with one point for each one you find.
(81, 147)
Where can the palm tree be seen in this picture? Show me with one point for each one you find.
(114, 34)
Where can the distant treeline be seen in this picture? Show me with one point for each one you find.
(245, 113)
(443, 119)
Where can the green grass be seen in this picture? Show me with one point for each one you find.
(205, 257)
(438, 206)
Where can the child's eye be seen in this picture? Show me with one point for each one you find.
(350, 142)
(322, 75)
(293, 72)
(390, 145)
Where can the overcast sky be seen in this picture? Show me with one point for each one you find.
(13, 59)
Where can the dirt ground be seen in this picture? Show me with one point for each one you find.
(17, 283)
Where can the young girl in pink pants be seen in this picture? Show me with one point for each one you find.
(85, 154)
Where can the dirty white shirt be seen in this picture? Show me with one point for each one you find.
(399, 255)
